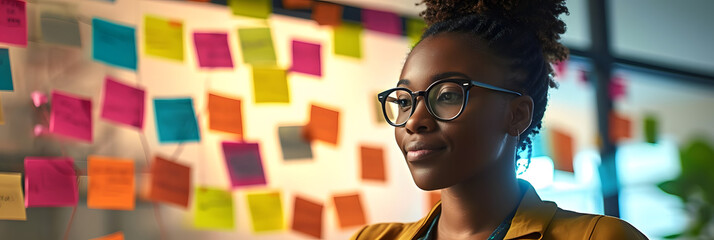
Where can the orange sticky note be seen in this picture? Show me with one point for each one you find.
(225, 114)
(323, 125)
(111, 183)
(114, 236)
(307, 218)
(620, 127)
(562, 144)
(297, 4)
(170, 182)
(372, 163)
(325, 13)
(433, 198)
(349, 211)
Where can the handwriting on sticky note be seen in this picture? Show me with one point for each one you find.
(266, 211)
(307, 217)
(111, 183)
(323, 125)
(213, 209)
(348, 40)
(306, 58)
(163, 37)
(170, 182)
(244, 164)
(50, 182)
(251, 8)
(11, 199)
(114, 236)
(373, 164)
(5, 71)
(114, 44)
(176, 120)
(381, 21)
(225, 114)
(71, 116)
(213, 50)
(13, 22)
(292, 143)
(270, 85)
(123, 103)
(257, 46)
(349, 210)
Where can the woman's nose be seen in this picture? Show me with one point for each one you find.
(421, 120)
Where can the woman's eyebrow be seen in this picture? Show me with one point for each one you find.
(403, 82)
(437, 77)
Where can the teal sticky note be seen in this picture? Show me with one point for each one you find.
(5, 74)
(114, 44)
(176, 120)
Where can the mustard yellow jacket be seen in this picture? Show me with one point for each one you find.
(534, 219)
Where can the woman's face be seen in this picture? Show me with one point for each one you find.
(441, 154)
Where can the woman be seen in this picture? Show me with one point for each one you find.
(471, 93)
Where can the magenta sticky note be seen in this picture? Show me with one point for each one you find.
(50, 182)
(13, 22)
(306, 58)
(71, 116)
(244, 165)
(381, 21)
(123, 104)
(213, 50)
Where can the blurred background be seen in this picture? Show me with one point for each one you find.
(259, 118)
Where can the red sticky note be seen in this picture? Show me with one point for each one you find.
(170, 182)
(372, 163)
(297, 4)
(123, 104)
(307, 58)
(50, 182)
(562, 144)
(212, 50)
(381, 21)
(13, 22)
(349, 210)
(71, 116)
(307, 217)
(244, 165)
(325, 13)
(225, 114)
(323, 125)
(114, 236)
(620, 127)
(111, 183)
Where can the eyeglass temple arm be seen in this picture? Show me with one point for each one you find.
(489, 86)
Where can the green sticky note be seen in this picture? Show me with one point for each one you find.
(650, 130)
(213, 209)
(266, 211)
(257, 46)
(163, 37)
(251, 8)
(415, 28)
(270, 85)
(348, 39)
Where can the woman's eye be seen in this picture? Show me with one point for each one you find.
(404, 103)
(449, 97)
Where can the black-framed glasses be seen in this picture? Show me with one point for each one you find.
(445, 100)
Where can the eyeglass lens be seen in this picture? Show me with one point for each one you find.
(445, 101)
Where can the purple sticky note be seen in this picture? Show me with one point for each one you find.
(71, 116)
(380, 21)
(50, 182)
(213, 50)
(244, 164)
(306, 58)
(123, 103)
(13, 22)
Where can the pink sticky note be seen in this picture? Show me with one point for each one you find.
(13, 22)
(244, 164)
(123, 103)
(71, 116)
(618, 89)
(380, 21)
(213, 50)
(50, 182)
(307, 58)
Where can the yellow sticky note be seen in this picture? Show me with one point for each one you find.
(251, 8)
(12, 203)
(348, 39)
(2, 117)
(266, 211)
(163, 37)
(214, 209)
(415, 28)
(256, 46)
(270, 85)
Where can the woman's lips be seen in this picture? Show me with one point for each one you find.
(421, 154)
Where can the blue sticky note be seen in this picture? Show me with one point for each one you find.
(114, 44)
(5, 74)
(176, 120)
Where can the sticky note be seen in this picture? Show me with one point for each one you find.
(213, 209)
(170, 182)
(433, 197)
(176, 120)
(244, 164)
(348, 40)
(5, 71)
(349, 210)
(372, 161)
(297, 4)
(11, 199)
(381, 21)
(323, 125)
(114, 236)
(122, 103)
(13, 22)
(111, 183)
(50, 182)
(225, 114)
(307, 217)
(306, 58)
(415, 28)
(251, 8)
(325, 13)
(562, 147)
(114, 44)
(617, 88)
(270, 85)
(257, 46)
(293, 145)
(163, 37)
(266, 211)
(71, 116)
(620, 127)
(212, 50)
(650, 128)
(60, 29)
(2, 117)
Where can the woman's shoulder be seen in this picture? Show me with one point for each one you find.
(591, 226)
(387, 231)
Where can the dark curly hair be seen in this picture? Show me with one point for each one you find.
(525, 32)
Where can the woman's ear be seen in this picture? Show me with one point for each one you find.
(521, 109)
